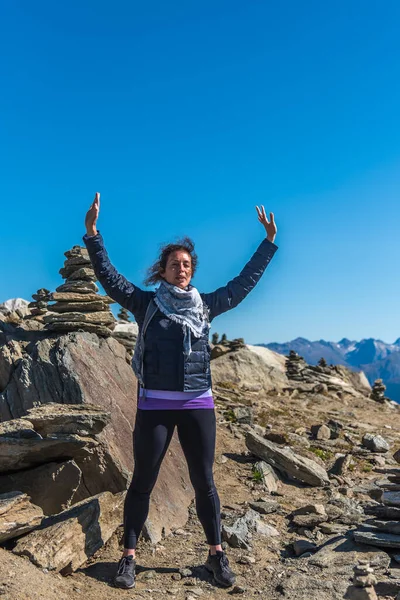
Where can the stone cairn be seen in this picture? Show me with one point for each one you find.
(237, 344)
(126, 332)
(39, 306)
(322, 363)
(378, 391)
(363, 583)
(295, 364)
(123, 315)
(78, 306)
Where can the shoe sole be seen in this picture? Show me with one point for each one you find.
(124, 587)
(209, 569)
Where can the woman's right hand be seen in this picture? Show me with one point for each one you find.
(92, 215)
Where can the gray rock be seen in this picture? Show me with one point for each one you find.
(391, 498)
(344, 551)
(376, 443)
(382, 540)
(302, 546)
(386, 526)
(321, 432)
(308, 521)
(17, 515)
(239, 535)
(286, 461)
(383, 512)
(268, 475)
(244, 414)
(341, 465)
(396, 456)
(265, 508)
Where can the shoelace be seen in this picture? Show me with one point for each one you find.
(123, 564)
(224, 562)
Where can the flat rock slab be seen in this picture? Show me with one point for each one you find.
(66, 307)
(77, 297)
(391, 498)
(343, 551)
(17, 515)
(385, 513)
(66, 541)
(286, 461)
(382, 540)
(100, 318)
(81, 419)
(51, 486)
(78, 286)
(17, 454)
(67, 326)
(18, 428)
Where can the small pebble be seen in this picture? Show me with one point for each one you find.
(176, 576)
(238, 589)
(247, 560)
(149, 575)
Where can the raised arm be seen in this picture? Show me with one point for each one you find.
(230, 295)
(116, 285)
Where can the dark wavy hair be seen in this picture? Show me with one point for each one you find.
(154, 272)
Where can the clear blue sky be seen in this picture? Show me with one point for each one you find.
(184, 115)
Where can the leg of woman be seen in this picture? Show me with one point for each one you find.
(197, 432)
(151, 438)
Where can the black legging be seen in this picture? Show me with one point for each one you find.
(152, 435)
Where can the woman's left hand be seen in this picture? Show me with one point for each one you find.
(270, 226)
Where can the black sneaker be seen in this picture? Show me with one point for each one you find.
(218, 565)
(125, 577)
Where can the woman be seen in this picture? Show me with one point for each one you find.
(172, 364)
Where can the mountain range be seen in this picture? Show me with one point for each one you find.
(376, 358)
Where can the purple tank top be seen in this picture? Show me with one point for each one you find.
(166, 400)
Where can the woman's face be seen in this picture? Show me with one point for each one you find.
(178, 270)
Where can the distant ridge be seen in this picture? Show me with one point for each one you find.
(375, 357)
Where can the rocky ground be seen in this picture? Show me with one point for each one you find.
(307, 468)
(268, 566)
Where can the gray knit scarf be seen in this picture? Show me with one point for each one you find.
(181, 306)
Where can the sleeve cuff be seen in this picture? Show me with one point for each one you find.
(267, 248)
(96, 237)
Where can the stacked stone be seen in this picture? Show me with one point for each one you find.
(363, 583)
(78, 306)
(41, 299)
(237, 344)
(322, 363)
(295, 364)
(378, 391)
(123, 315)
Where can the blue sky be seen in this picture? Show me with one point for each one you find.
(184, 115)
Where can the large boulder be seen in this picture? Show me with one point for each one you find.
(64, 542)
(250, 367)
(81, 368)
(286, 461)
